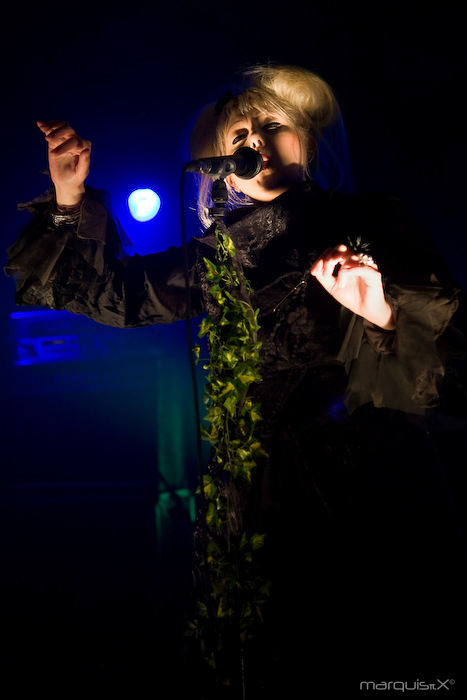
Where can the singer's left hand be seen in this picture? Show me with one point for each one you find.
(357, 287)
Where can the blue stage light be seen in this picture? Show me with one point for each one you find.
(144, 204)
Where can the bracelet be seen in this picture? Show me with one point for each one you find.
(63, 215)
(64, 219)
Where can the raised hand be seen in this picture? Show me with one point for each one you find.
(69, 160)
(355, 282)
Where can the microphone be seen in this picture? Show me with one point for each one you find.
(246, 163)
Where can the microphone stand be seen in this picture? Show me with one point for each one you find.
(220, 197)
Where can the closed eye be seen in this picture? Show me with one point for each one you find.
(268, 126)
(238, 138)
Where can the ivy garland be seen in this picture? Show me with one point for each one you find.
(233, 606)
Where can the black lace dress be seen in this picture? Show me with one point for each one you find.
(354, 496)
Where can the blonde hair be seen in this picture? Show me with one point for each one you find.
(299, 95)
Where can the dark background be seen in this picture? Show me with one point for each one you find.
(93, 571)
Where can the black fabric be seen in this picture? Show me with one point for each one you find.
(87, 272)
(355, 496)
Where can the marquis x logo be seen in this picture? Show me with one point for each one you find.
(404, 685)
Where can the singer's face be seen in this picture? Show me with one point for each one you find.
(277, 141)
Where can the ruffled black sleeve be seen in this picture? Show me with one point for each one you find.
(404, 369)
(82, 268)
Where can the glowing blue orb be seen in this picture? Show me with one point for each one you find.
(144, 204)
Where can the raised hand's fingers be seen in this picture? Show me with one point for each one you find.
(326, 264)
(83, 165)
(368, 274)
(73, 146)
(361, 260)
(47, 126)
(58, 133)
(50, 126)
(340, 257)
(61, 134)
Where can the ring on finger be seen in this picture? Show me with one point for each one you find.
(364, 259)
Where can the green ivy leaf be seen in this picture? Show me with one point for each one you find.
(230, 246)
(257, 541)
(255, 416)
(206, 325)
(212, 517)
(213, 414)
(209, 487)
